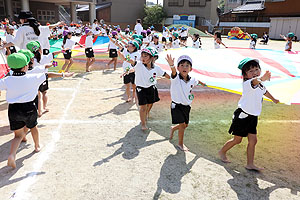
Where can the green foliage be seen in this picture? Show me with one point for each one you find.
(191, 31)
(154, 14)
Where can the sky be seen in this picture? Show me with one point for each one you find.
(155, 1)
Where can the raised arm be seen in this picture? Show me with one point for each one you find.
(268, 94)
(51, 26)
(113, 41)
(283, 37)
(265, 77)
(121, 56)
(170, 61)
(56, 75)
(209, 33)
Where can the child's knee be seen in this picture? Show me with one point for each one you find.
(237, 140)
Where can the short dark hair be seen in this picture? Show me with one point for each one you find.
(183, 61)
(249, 65)
(138, 20)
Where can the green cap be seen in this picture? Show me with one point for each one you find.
(33, 46)
(26, 52)
(17, 60)
(290, 35)
(134, 36)
(140, 37)
(135, 43)
(139, 41)
(175, 34)
(254, 36)
(244, 61)
(150, 50)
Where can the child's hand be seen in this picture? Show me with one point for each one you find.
(266, 76)
(276, 101)
(170, 60)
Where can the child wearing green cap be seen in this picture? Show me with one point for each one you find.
(21, 90)
(289, 37)
(245, 118)
(253, 40)
(146, 73)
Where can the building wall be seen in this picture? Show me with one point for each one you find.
(207, 11)
(35, 6)
(104, 14)
(126, 11)
(282, 8)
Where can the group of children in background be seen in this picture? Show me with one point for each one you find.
(138, 50)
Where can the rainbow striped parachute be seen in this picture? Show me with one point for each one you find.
(218, 69)
(100, 45)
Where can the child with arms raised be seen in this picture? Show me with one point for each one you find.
(245, 118)
(181, 94)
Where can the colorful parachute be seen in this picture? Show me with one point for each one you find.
(218, 69)
(3, 66)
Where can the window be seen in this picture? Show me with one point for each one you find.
(197, 3)
(176, 3)
(16, 7)
(2, 9)
(46, 15)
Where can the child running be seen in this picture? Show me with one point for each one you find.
(288, 39)
(245, 118)
(146, 73)
(68, 44)
(181, 95)
(21, 90)
(217, 39)
(89, 52)
(112, 48)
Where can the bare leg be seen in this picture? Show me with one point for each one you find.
(92, 61)
(40, 104)
(181, 129)
(228, 145)
(133, 90)
(115, 63)
(143, 111)
(252, 140)
(35, 137)
(15, 143)
(173, 129)
(65, 65)
(69, 65)
(87, 64)
(149, 106)
(25, 131)
(45, 100)
(128, 92)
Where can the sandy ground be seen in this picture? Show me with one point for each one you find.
(94, 148)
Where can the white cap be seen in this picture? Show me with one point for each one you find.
(184, 57)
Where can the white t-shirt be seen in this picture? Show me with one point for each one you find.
(103, 31)
(69, 44)
(22, 89)
(165, 34)
(138, 28)
(60, 31)
(184, 34)
(252, 44)
(159, 47)
(181, 91)
(24, 35)
(132, 56)
(78, 30)
(196, 44)
(112, 45)
(37, 69)
(9, 38)
(251, 100)
(89, 41)
(145, 77)
(43, 37)
(176, 44)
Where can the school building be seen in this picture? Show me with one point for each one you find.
(113, 11)
(205, 11)
(257, 16)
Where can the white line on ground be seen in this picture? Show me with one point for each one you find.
(107, 122)
(21, 191)
(121, 89)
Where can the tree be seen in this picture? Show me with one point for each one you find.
(154, 14)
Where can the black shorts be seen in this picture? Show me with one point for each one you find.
(183, 38)
(46, 51)
(77, 34)
(36, 102)
(44, 86)
(163, 39)
(113, 53)
(170, 39)
(22, 114)
(243, 123)
(147, 95)
(180, 113)
(89, 52)
(129, 78)
(68, 54)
